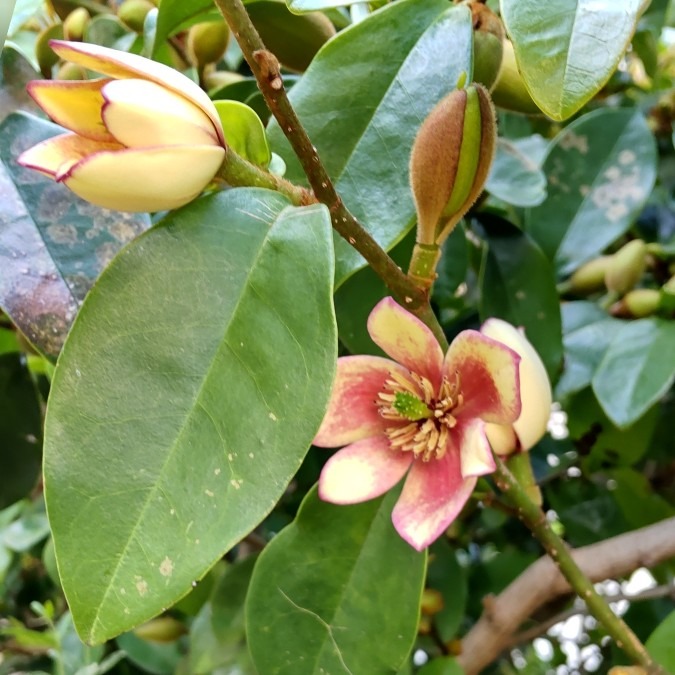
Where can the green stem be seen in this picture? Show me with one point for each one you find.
(423, 263)
(237, 171)
(267, 72)
(535, 520)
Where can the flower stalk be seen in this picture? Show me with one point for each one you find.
(535, 520)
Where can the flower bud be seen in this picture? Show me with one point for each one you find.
(509, 91)
(642, 302)
(207, 42)
(132, 13)
(71, 71)
(590, 277)
(535, 393)
(45, 55)
(161, 629)
(431, 602)
(75, 24)
(488, 44)
(450, 160)
(626, 267)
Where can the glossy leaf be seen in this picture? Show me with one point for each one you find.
(173, 13)
(20, 431)
(444, 665)
(600, 170)
(568, 50)
(15, 73)
(517, 285)
(394, 65)
(53, 244)
(661, 644)
(244, 131)
(315, 5)
(637, 370)
(514, 177)
(337, 591)
(190, 387)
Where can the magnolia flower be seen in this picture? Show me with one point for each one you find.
(144, 137)
(423, 415)
(535, 393)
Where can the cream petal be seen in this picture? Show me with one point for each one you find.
(56, 155)
(474, 449)
(122, 65)
(73, 105)
(488, 375)
(152, 179)
(406, 339)
(535, 387)
(433, 495)
(362, 471)
(502, 437)
(352, 411)
(139, 114)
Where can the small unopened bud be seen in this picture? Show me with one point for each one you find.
(590, 277)
(488, 44)
(75, 24)
(132, 13)
(450, 160)
(432, 602)
(509, 91)
(162, 629)
(207, 42)
(626, 267)
(71, 71)
(642, 302)
(45, 55)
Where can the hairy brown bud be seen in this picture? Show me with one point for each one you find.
(450, 160)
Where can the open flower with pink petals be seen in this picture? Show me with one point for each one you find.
(142, 138)
(422, 415)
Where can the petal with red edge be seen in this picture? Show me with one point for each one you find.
(535, 387)
(474, 449)
(139, 114)
(488, 376)
(406, 339)
(73, 105)
(122, 65)
(151, 179)
(352, 410)
(58, 154)
(433, 495)
(362, 471)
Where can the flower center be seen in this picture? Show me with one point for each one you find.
(421, 418)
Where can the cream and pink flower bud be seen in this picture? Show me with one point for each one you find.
(421, 415)
(142, 138)
(535, 393)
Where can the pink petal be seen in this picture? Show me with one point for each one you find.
(58, 154)
(474, 449)
(122, 65)
(433, 495)
(406, 339)
(362, 471)
(352, 412)
(488, 375)
(73, 105)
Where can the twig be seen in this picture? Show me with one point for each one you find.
(267, 72)
(541, 628)
(533, 517)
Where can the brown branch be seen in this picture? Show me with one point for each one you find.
(541, 628)
(542, 582)
(267, 72)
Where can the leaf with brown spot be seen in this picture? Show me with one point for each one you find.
(53, 245)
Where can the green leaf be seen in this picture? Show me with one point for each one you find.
(53, 244)
(157, 658)
(601, 170)
(244, 132)
(15, 73)
(395, 66)
(300, 6)
(661, 644)
(448, 577)
(337, 591)
(514, 177)
(517, 285)
(637, 370)
(20, 430)
(444, 665)
(568, 50)
(632, 487)
(173, 13)
(187, 394)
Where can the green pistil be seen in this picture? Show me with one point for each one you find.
(411, 407)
